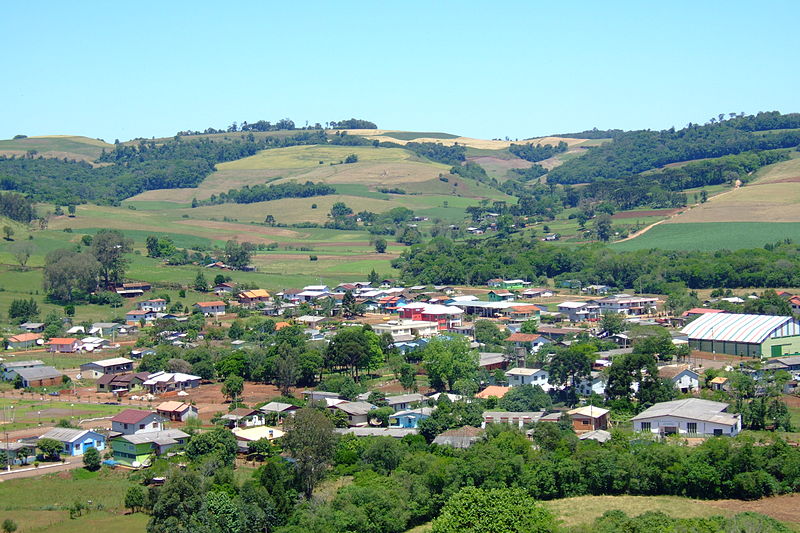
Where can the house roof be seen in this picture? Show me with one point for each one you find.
(673, 371)
(523, 337)
(25, 337)
(493, 390)
(505, 416)
(490, 358)
(573, 305)
(161, 377)
(278, 407)
(462, 437)
(172, 407)
(434, 309)
(600, 435)
(63, 340)
(701, 311)
(405, 398)
(589, 410)
(691, 408)
(255, 293)
(110, 362)
(733, 327)
(719, 380)
(257, 433)
(397, 433)
(215, 303)
(131, 416)
(356, 408)
(65, 434)
(522, 371)
(167, 436)
(422, 411)
(38, 372)
(21, 364)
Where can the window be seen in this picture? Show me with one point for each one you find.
(646, 426)
(141, 426)
(717, 432)
(691, 427)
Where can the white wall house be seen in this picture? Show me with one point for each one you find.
(528, 376)
(691, 417)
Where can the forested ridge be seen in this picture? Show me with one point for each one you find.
(476, 261)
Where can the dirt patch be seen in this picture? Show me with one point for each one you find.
(785, 508)
(501, 163)
(209, 398)
(642, 214)
(791, 401)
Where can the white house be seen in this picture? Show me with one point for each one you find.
(691, 417)
(408, 328)
(627, 304)
(214, 308)
(96, 369)
(579, 311)
(684, 379)
(158, 305)
(132, 421)
(528, 376)
(596, 384)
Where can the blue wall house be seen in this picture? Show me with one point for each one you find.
(76, 441)
(409, 418)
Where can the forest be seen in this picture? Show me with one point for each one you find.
(538, 152)
(263, 193)
(650, 271)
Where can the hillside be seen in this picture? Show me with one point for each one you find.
(56, 146)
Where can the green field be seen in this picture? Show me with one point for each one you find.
(48, 411)
(712, 236)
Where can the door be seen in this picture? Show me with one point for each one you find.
(776, 351)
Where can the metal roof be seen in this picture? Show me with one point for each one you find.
(733, 327)
(691, 408)
(65, 434)
(38, 372)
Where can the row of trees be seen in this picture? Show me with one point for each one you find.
(264, 193)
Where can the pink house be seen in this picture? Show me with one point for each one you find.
(64, 345)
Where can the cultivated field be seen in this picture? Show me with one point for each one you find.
(56, 146)
(711, 236)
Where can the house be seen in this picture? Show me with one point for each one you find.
(137, 285)
(120, 382)
(319, 395)
(158, 305)
(790, 364)
(497, 283)
(357, 412)
(599, 435)
(226, 287)
(311, 321)
(537, 293)
(244, 418)
(688, 417)
(501, 296)
(794, 302)
(745, 335)
(9, 367)
(402, 329)
(492, 361)
(627, 304)
(697, 311)
(245, 435)
(579, 311)
(63, 345)
(493, 390)
(446, 316)
(105, 329)
(137, 450)
(463, 437)
(405, 401)
(96, 369)
(519, 419)
(23, 341)
(596, 289)
(170, 381)
(520, 314)
(528, 376)
(527, 342)
(137, 316)
(215, 308)
(451, 397)
(395, 433)
(91, 344)
(76, 441)
(558, 334)
(682, 377)
(280, 409)
(176, 411)
(317, 288)
(409, 418)
(589, 418)
(40, 376)
(719, 383)
(32, 327)
(595, 384)
(132, 421)
(254, 297)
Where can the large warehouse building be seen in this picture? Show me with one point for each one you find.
(745, 335)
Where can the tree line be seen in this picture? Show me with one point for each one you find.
(262, 193)
(538, 152)
(285, 124)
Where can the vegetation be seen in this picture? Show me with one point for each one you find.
(263, 193)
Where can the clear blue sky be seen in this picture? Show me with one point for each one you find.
(481, 69)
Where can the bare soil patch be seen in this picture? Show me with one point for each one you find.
(785, 508)
(209, 398)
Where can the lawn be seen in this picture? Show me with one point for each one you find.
(32, 413)
(712, 236)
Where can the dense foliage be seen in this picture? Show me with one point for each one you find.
(263, 193)
(475, 261)
(16, 207)
(538, 152)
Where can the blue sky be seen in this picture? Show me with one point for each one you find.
(517, 69)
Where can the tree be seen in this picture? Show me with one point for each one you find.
(91, 459)
(109, 248)
(238, 255)
(474, 510)
(612, 323)
(9, 526)
(449, 360)
(135, 498)
(408, 378)
(602, 227)
(310, 440)
(354, 349)
(51, 448)
(487, 332)
(769, 303)
(179, 500)
(218, 444)
(286, 373)
(66, 271)
(529, 327)
(525, 398)
(23, 310)
(269, 220)
(380, 245)
(570, 366)
(352, 158)
(340, 210)
(8, 231)
(233, 387)
(200, 284)
(22, 253)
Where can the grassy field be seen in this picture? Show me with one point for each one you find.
(40, 504)
(72, 147)
(711, 236)
(47, 412)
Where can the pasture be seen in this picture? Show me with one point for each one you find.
(711, 236)
(60, 146)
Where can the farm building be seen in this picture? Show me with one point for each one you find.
(10, 367)
(40, 376)
(745, 335)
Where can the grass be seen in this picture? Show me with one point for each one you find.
(711, 236)
(73, 147)
(30, 413)
(411, 135)
(40, 504)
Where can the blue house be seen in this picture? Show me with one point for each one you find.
(76, 441)
(409, 418)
